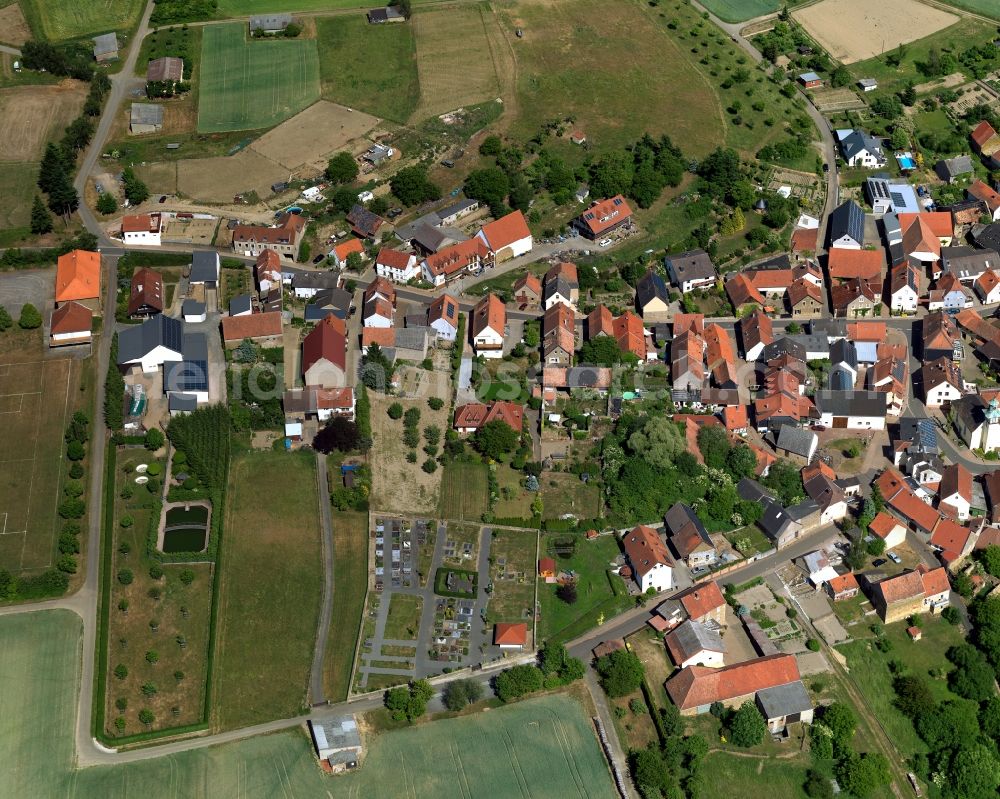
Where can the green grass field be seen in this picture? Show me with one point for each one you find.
(463, 491)
(350, 580)
(765, 776)
(595, 595)
(369, 67)
(870, 671)
(988, 8)
(570, 495)
(253, 84)
(17, 189)
(958, 37)
(741, 10)
(64, 19)
(546, 745)
(403, 621)
(272, 586)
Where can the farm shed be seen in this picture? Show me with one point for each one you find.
(106, 47)
(270, 23)
(145, 118)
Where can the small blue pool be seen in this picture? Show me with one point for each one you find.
(906, 161)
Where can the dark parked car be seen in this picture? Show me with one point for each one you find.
(394, 212)
(318, 258)
(879, 562)
(163, 198)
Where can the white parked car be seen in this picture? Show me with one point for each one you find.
(604, 242)
(894, 557)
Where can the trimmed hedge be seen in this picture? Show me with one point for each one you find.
(534, 523)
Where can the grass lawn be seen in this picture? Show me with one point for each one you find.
(870, 671)
(17, 189)
(987, 8)
(635, 730)
(512, 569)
(253, 84)
(765, 776)
(571, 495)
(464, 491)
(180, 611)
(851, 610)
(932, 121)
(350, 581)
(64, 19)
(653, 654)
(741, 10)
(369, 67)
(758, 540)
(403, 621)
(598, 592)
(958, 37)
(272, 586)
(514, 501)
(548, 743)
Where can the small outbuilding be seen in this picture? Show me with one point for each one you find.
(169, 68)
(270, 23)
(106, 47)
(337, 741)
(145, 118)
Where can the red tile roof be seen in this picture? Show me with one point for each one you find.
(490, 313)
(506, 230)
(912, 584)
(756, 329)
(383, 336)
(78, 276)
(956, 479)
(843, 583)
(689, 321)
(257, 325)
(901, 498)
(645, 550)
(939, 222)
(950, 537)
(457, 257)
(866, 331)
(141, 223)
(476, 414)
(510, 633)
(802, 289)
(344, 249)
(444, 308)
(699, 686)
(600, 321)
(605, 214)
(394, 259)
(328, 340)
(528, 282)
(981, 191)
(630, 335)
(844, 264)
(919, 237)
(983, 133)
(804, 239)
(71, 317)
(720, 355)
(883, 524)
(701, 599)
(735, 417)
(289, 227)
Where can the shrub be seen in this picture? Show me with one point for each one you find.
(187, 576)
(435, 403)
(395, 411)
(125, 576)
(154, 469)
(812, 645)
(121, 671)
(430, 466)
(30, 318)
(75, 451)
(154, 439)
(66, 564)
(152, 656)
(126, 522)
(76, 471)
(156, 571)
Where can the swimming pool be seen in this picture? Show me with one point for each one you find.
(906, 161)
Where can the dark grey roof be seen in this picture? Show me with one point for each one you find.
(559, 285)
(847, 219)
(802, 510)
(784, 700)
(775, 520)
(776, 262)
(752, 491)
(693, 637)
(858, 141)
(364, 220)
(651, 286)
(241, 304)
(784, 346)
(831, 328)
(191, 374)
(680, 516)
(812, 342)
(843, 351)
(182, 402)
(970, 411)
(947, 168)
(146, 114)
(315, 280)
(135, 342)
(204, 266)
(851, 403)
(192, 308)
(987, 236)
(967, 263)
(690, 265)
(326, 300)
(457, 208)
(411, 338)
(796, 440)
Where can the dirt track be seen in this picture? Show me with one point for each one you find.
(855, 30)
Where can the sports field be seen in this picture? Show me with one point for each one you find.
(369, 67)
(272, 586)
(67, 19)
(34, 403)
(544, 748)
(247, 85)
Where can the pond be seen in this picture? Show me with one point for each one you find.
(186, 529)
(184, 539)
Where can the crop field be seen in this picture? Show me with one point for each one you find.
(253, 84)
(464, 490)
(66, 19)
(35, 401)
(371, 67)
(13, 26)
(350, 581)
(562, 71)
(454, 58)
(546, 745)
(17, 188)
(853, 30)
(987, 8)
(31, 116)
(272, 586)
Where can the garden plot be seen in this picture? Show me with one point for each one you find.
(854, 30)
